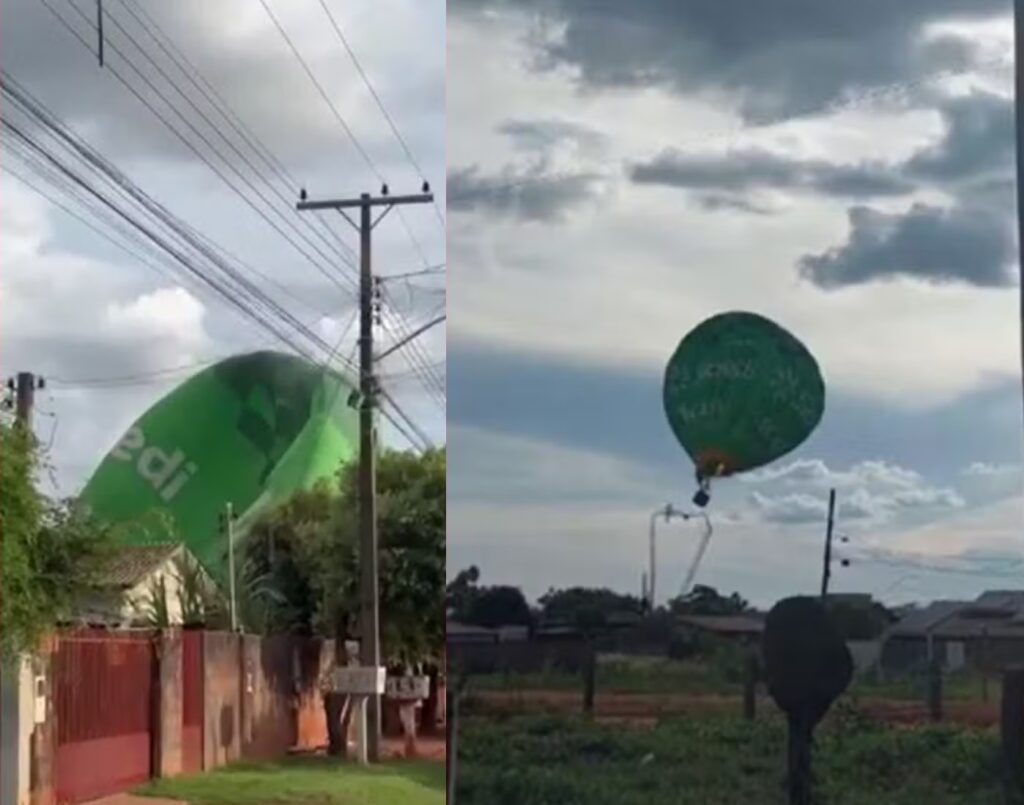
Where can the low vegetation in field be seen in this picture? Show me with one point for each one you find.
(562, 761)
(308, 781)
(723, 674)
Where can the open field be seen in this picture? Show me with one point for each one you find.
(641, 707)
(562, 760)
(309, 781)
(642, 688)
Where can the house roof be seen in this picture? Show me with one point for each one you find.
(996, 613)
(132, 563)
(724, 624)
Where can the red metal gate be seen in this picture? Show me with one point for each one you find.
(103, 687)
(192, 701)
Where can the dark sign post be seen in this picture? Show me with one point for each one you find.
(807, 667)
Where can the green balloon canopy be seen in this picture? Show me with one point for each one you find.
(740, 392)
(250, 430)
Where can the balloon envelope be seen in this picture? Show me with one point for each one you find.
(740, 392)
(250, 430)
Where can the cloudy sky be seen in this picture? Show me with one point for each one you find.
(618, 172)
(110, 333)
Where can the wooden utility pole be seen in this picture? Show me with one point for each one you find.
(369, 642)
(827, 569)
(25, 398)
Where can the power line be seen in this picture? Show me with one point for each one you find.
(345, 126)
(327, 272)
(380, 103)
(194, 74)
(323, 93)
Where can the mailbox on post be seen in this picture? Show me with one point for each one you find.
(360, 683)
(406, 688)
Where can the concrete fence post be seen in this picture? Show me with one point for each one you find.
(589, 678)
(169, 694)
(750, 688)
(935, 690)
(1011, 728)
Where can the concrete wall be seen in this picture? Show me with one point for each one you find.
(170, 703)
(270, 699)
(262, 698)
(222, 699)
(17, 721)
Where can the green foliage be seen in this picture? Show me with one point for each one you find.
(193, 593)
(859, 622)
(51, 554)
(301, 561)
(308, 781)
(717, 761)
(704, 600)
(22, 612)
(155, 608)
(587, 608)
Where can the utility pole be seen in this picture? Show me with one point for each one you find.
(1018, 66)
(369, 640)
(827, 570)
(25, 398)
(229, 530)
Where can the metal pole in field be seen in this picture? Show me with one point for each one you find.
(827, 570)
(1018, 61)
(229, 516)
(369, 643)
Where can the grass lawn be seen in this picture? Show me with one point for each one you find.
(308, 781)
(717, 761)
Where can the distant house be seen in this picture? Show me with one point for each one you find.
(463, 634)
(745, 628)
(986, 633)
(124, 593)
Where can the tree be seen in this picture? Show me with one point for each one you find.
(501, 605)
(859, 622)
(587, 608)
(704, 600)
(460, 591)
(52, 550)
(301, 561)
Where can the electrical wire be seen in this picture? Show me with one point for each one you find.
(380, 103)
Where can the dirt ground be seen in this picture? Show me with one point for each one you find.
(428, 747)
(643, 709)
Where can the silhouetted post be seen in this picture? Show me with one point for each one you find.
(750, 688)
(1011, 729)
(935, 690)
(589, 678)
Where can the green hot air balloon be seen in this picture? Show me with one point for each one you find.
(250, 430)
(740, 392)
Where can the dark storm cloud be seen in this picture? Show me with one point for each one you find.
(254, 71)
(747, 170)
(780, 58)
(979, 139)
(530, 195)
(959, 244)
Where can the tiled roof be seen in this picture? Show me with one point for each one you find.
(132, 563)
(726, 624)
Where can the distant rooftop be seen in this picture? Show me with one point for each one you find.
(132, 563)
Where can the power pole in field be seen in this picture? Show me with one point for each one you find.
(369, 642)
(25, 386)
(827, 570)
